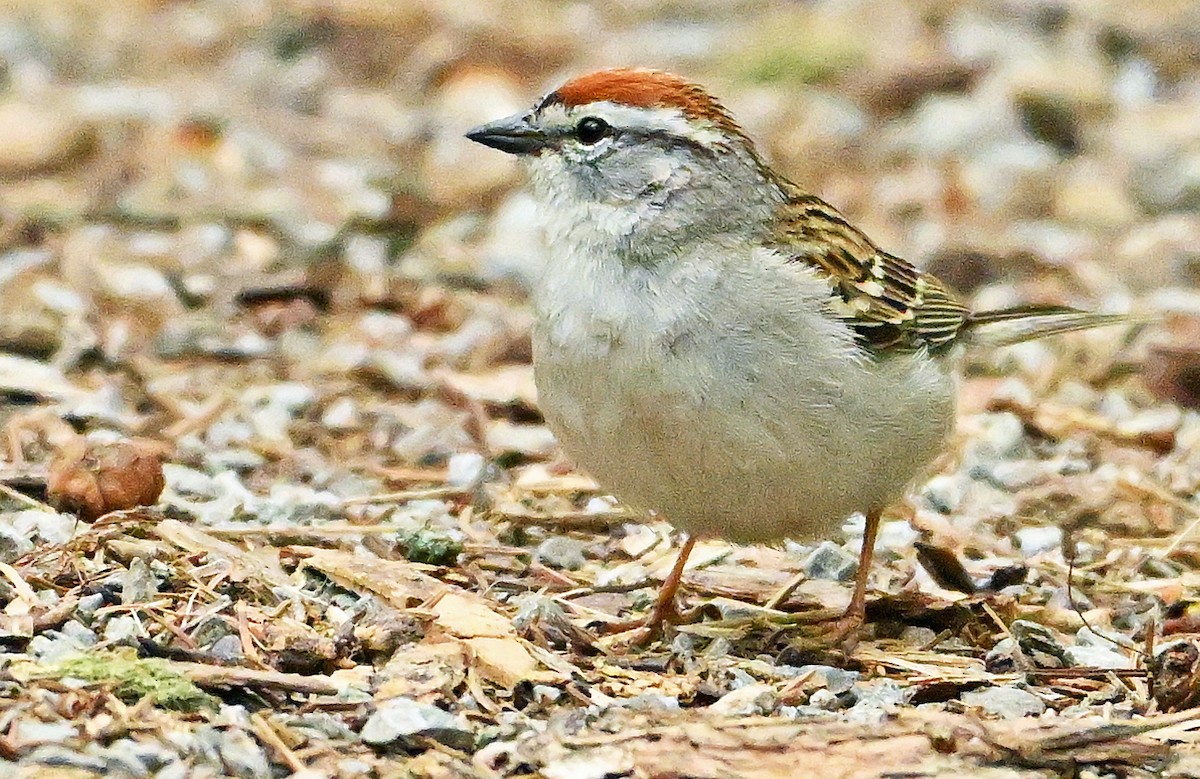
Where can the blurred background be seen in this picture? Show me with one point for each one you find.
(255, 231)
(251, 227)
(157, 155)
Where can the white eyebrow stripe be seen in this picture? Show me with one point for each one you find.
(653, 119)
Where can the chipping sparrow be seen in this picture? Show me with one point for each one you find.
(715, 344)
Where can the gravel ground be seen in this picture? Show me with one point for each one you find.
(276, 499)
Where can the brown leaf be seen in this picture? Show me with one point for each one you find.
(491, 643)
(91, 480)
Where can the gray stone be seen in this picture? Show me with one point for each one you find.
(1097, 657)
(123, 629)
(831, 561)
(1039, 643)
(896, 535)
(353, 767)
(837, 680)
(1016, 475)
(13, 543)
(1004, 657)
(321, 725)
(53, 647)
(825, 700)
(88, 606)
(49, 526)
(212, 629)
(400, 719)
(56, 756)
(738, 678)
(31, 732)
(943, 493)
(918, 636)
(1005, 702)
(148, 757)
(562, 552)
(750, 700)
(1002, 437)
(807, 712)
(876, 702)
(138, 584)
(175, 770)
(544, 693)
(342, 414)
(1169, 183)
(227, 648)
(242, 756)
(465, 469)
(651, 702)
(78, 632)
(683, 645)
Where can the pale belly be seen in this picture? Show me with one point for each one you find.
(750, 438)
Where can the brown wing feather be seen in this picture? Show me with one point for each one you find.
(889, 303)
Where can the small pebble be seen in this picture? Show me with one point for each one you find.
(1005, 702)
(242, 755)
(401, 719)
(651, 702)
(943, 493)
(351, 767)
(1002, 437)
(123, 629)
(78, 632)
(831, 561)
(752, 699)
(342, 414)
(138, 584)
(836, 680)
(824, 699)
(227, 648)
(562, 552)
(1039, 643)
(1013, 476)
(896, 534)
(69, 760)
(1097, 657)
(13, 544)
(1035, 540)
(465, 469)
(88, 605)
(876, 702)
(30, 732)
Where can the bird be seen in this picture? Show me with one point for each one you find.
(717, 345)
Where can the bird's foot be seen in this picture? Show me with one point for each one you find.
(827, 630)
(846, 630)
(639, 632)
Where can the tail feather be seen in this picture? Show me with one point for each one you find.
(1007, 326)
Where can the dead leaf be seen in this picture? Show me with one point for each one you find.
(459, 615)
(91, 480)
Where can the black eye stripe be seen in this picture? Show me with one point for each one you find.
(639, 135)
(669, 140)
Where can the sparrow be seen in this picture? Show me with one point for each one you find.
(715, 344)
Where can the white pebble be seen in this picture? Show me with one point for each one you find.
(464, 469)
(1035, 540)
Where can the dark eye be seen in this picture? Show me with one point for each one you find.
(591, 130)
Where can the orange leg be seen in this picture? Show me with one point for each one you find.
(856, 612)
(665, 610)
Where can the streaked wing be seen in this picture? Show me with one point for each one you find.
(890, 304)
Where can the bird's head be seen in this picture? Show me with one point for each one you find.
(637, 150)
